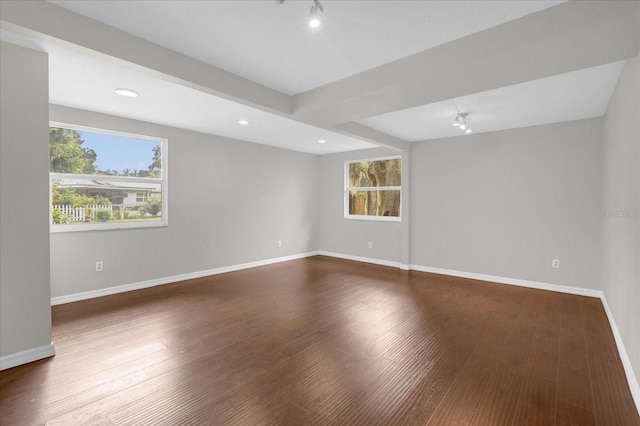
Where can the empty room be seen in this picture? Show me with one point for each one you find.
(319, 212)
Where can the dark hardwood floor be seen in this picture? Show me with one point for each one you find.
(325, 341)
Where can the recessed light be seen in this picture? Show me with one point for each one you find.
(243, 122)
(127, 92)
(321, 141)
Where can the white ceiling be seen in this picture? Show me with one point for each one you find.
(571, 96)
(83, 81)
(269, 43)
(80, 81)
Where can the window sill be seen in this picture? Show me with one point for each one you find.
(375, 218)
(54, 229)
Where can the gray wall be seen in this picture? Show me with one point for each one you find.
(506, 203)
(621, 209)
(350, 237)
(25, 313)
(229, 203)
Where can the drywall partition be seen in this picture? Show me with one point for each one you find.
(350, 238)
(230, 202)
(25, 313)
(621, 211)
(504, 204)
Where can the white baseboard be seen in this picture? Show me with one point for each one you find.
(24, 357)
(624, 357)
(363, 259)
(511, 281)
(167, 280)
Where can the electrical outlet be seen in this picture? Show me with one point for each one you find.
(370, 244)
(279, 243)
(555, 263)
(99, 266)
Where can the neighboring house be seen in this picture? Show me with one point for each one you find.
(130, 195)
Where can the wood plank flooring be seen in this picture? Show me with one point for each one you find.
(322, 341)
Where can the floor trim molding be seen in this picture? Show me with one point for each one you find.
(168, 280)
(361, 259)
(511, 281)
(27, 356)
(634, 387)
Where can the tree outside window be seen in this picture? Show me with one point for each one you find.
(373, 189)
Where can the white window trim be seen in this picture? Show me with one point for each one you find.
(164, 220)
(369, 188)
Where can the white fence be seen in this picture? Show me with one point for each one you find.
(80, 214)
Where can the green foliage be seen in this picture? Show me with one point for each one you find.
(66, 154)
(103, 215)
(135, 173)
(59, 217)
(153, 206)
(156, 166)
(68, 196)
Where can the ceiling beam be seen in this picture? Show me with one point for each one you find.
(564, 38)
(368, 134)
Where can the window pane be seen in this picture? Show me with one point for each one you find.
(77, 201)
(375, 173)
(358, 176)
(375, 203)
(90, 153)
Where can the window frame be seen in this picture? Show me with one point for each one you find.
(104, 226)
(348, 189)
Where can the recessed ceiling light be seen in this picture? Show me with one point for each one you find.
(321, 141)
(243, 122)
(127, 92)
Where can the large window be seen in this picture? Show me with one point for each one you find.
(373, 189)
(105, 180)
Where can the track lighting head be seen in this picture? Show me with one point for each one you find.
(314, 14)
(314, 18)
(462, 122)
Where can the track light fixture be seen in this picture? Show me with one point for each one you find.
(462, 122)
(314, 14)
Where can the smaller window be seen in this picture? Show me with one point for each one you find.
(373, 189)
(142, 197)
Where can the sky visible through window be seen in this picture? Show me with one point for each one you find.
(118, 153)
